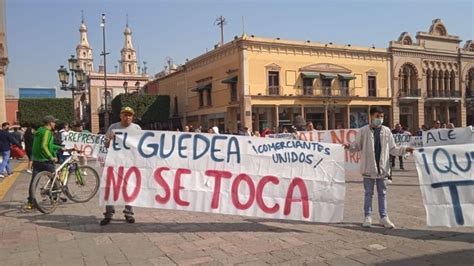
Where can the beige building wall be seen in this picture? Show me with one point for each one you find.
(250, 58)
(3, 61)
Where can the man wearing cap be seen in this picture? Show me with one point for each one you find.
(43, 152)
(126, 124)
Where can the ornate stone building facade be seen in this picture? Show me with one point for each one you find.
(432, 78)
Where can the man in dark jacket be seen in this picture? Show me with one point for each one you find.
(6, 140)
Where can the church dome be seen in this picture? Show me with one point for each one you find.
(127, 30)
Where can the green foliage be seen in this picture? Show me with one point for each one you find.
(32, 111)
(148, 108)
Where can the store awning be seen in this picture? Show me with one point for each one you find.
(346, 76)
(230, 80)
(310, 75)
(203, 87)
(329, 75)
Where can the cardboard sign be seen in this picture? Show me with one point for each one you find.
(87, 143)
(262, 177)
(406, 140)
(445, 136)
(446, 176)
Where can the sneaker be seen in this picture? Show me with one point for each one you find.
(385, 222)
(2, 176)
(402, 168)
(389, 181)
(130, 219)
(367, 222)
(29, 206)
(105, 221)
(29, 171)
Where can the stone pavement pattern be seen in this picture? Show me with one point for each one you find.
(72, 235)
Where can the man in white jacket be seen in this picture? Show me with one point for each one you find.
(376, 143)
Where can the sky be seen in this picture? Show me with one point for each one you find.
(41, 35)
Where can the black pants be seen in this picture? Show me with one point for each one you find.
(39, 167)
(400, 159)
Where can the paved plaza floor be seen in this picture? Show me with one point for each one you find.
(72, 235)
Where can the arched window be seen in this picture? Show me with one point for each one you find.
(128, 57)
(129, 68)
(407, 78)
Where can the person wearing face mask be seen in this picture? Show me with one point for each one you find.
(375, 142)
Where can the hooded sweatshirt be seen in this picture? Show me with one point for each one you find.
(44, 148)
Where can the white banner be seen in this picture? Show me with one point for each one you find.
(445, 136)
(406, 140)
(87, 143)
(337, 136)
(446, 176)
(263, 177)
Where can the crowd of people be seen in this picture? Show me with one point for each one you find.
(44, 148)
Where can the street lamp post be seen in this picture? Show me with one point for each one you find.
(104, 54)
(125, 86)
(78, 74)
(137, 86)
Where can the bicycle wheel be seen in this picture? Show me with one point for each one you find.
(82, 184)
(45, 194)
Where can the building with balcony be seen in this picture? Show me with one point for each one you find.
(262, 83)
(432, 78)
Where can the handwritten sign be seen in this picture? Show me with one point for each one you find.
(281, 136)
(406, 140)
(445, 136)
(446, 176)
(87, 143)
(263, 177)
(337, 136)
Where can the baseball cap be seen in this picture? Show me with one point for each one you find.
(127, 110)
(49, 119)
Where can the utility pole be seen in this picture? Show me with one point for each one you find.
(220, 21)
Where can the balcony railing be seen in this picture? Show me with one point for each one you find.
(274, 90)
(443, 94)
(469, 93)
(334, 92)
(409, 93)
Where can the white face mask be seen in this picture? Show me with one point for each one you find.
(377, 122)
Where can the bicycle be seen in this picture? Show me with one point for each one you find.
(48, 187)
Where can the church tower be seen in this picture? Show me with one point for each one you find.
(83, 50)
(128, 62)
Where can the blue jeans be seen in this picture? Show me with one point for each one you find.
(6, 163)
(381, 193)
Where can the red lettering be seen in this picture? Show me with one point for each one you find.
(114, 183)
(320, 135)
(138, 178)
(177, 186)
(302, 136)
(260, 187)
(161, 181)
(217, 185)
(337, 138)
(235, 192)
(297, 182)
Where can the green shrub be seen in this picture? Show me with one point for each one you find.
(32, 111)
